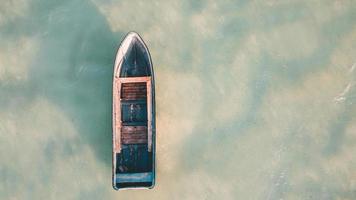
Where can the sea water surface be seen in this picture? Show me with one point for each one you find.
(255, 99)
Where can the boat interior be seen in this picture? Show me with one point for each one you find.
(134, 161)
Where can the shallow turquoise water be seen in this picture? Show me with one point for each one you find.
(255, 100)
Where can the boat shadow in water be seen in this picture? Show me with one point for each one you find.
(73, 68)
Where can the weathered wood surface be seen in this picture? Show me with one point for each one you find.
(134, 177)
(134, 79)
(149, 116)
(134, 135)
(116, 116)
(134, 91)
(127, 89)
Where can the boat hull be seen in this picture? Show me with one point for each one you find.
(133, 116)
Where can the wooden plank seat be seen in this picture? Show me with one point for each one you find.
(134, 135)
(134, 91)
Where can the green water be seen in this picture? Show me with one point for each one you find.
(255, 99)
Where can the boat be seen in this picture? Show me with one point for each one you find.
(133, 116)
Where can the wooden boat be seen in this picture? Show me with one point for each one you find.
(133, 116)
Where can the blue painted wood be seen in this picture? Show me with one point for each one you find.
(136, 61)
(134, 177)
(133, 111)
(134, 158)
